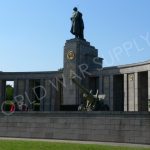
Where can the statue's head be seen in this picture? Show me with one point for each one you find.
(75, 9)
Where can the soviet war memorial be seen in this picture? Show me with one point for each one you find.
(84, 100)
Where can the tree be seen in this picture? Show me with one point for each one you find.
(9, 92)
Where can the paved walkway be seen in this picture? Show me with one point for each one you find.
(79, 142)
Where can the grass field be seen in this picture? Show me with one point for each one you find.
(32, 145)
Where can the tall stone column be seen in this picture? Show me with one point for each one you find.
(27, 99)
(42, 102)
(148, 90)
(106, 89)
(47, 100)
(111, 92)
(100, 83)
(125, 92)
(15, 88)
(53, 95)
(131, 92)
(21, 87)
(136, 91)
(2, 90)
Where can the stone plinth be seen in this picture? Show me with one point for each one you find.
(79, 58)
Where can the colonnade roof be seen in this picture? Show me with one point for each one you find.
(128, 65)
(122, 69)
(30, 75)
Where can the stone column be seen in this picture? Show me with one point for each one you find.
(15, 88)
(27, 99)
(100, 83)
(42, 102)
(53, 95)
(131, 92)
(106, 80)
(20, 87)
(136, 91)
(125, 93)
(47, 100)
(1, 91)
(111, 92)
(148, 90)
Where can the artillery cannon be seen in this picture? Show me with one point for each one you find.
(91, 102)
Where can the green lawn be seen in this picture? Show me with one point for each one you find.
(32, 145)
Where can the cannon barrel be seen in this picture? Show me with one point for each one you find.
(89, 95)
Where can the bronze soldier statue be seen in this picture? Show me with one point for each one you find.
(77, 24)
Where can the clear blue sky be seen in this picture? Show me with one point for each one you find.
(33, 32)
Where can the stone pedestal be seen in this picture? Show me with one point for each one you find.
(79, 59)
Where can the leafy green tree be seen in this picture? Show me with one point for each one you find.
(9, 92)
